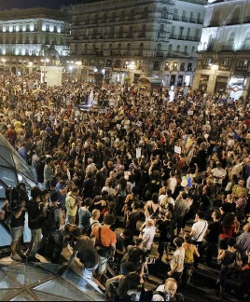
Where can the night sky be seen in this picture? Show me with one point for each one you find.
(55, 4)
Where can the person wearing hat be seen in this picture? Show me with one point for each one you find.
(54, 230)
(34, 223)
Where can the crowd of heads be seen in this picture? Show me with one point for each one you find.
(132, 143)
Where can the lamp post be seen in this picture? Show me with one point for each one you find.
(45, 60)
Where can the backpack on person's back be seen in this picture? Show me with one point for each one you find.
(50, 222)
(85, 220)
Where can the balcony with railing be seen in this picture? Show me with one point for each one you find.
(162, 35)
(141, 35)
(233, 21)
(139, 53)
(224, 68)
(246, 19)
(184, 37)
(201, 2)
(244, 48)
(128, 35)
(159, 54)
(170, 2)
(227, 48)
(214, 23)
(192, 20)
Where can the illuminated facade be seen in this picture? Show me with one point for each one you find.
(223, 62)
(27, 35)
(156, 38)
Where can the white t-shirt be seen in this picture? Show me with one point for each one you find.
(178, 257)
(148, 237)
(218, 175)
(200, 228)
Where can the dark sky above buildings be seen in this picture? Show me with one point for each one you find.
(55, 4)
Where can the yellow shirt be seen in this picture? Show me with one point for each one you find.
(70, 202)
(189, 252)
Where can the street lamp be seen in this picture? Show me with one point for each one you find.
(46, 60)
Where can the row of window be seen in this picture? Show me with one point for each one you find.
(129, 31)
(111, 46)
(22, 52)
(30, 28)
(123, 15)
(32, 40)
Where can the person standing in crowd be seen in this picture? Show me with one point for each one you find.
(62, 188)
(219, 174)
(48, 172)
(72, 203)
(168, 290)
(190, 251)
(93, 221)
(84, 215)
(229, 229)
(35, 224)
(243, 243)
(182, 206)
(54, 223)
(227, 258)
(84, 250)
(166, 231)
(211, 236)
(16, 229)
(198, 231)
(147, 234)
(105, 243)
(177, 261)
(88, 186)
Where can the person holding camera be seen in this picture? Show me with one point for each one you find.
(16, 230)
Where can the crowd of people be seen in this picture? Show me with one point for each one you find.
(141, 157)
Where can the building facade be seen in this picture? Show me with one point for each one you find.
(156, 39)
(30, 37)
(223, 54)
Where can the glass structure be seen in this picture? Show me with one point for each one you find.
(13, 170)
(43, 282)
